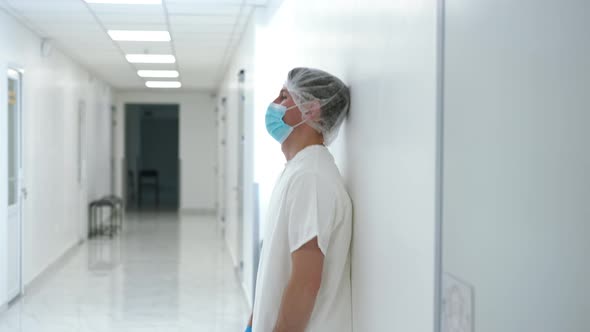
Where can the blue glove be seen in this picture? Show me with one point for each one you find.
(249, 329)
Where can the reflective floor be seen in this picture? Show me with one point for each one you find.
(164, 273)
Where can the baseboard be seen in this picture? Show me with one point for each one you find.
(198, 211)
(51, 267)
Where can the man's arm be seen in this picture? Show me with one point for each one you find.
(301, 291)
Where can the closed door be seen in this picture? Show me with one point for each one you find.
(14, 185)
(81, 176)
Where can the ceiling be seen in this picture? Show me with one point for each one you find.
(205, 34)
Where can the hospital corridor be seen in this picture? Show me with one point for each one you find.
(294, 166)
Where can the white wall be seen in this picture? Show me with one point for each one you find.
(198, 150)
(517, 180)
(243, 59)
(55, 211)
(386, 51)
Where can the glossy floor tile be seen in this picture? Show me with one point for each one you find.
(162, 273)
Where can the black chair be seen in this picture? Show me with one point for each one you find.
(148, 178)
(95, 217)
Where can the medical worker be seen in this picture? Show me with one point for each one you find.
(303, 281)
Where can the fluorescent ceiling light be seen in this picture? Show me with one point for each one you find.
(129, 35)
(126, 2)
(150, 58)
(158, 73)
(163, 84)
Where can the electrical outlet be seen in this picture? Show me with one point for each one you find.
(457, 305)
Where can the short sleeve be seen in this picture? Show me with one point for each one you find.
(311, 212)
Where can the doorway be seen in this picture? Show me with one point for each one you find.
(15, 177)
(152, 154)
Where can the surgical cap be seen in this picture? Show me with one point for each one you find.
(306, 85)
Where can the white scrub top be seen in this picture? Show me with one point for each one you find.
(309, 200)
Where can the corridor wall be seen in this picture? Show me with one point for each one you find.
(243, 59)
(54, 86)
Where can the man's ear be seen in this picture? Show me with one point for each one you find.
(313, 110)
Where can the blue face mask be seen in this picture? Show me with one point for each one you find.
(276, 127)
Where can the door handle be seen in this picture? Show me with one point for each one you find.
(24, 192)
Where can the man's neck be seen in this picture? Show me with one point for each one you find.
(292, 146)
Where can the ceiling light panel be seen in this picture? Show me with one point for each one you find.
(158, 73)
(129, 35)
(150, 58)
(163, 84)
(137, 26)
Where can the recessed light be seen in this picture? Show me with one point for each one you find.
(129, 35)
(158, 73)
(163, 84)
(126, 2)
(150, 58)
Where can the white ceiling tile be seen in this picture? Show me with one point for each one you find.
(202, 9)
(205, 2)
(81, 30)
(141, 47)
(104, 9)
(177, 30)
(185, 58)
(202, 20)
(190, 39)
(203, 37)
(68, 6)
(200, 48)
(59, 17)
(256, 2)
(200, 61)
(112, 19)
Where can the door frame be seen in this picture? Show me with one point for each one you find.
(14, 71)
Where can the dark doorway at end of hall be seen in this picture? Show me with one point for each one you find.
(152, 156)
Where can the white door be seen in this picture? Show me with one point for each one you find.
(14, 185)
(81, 176)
